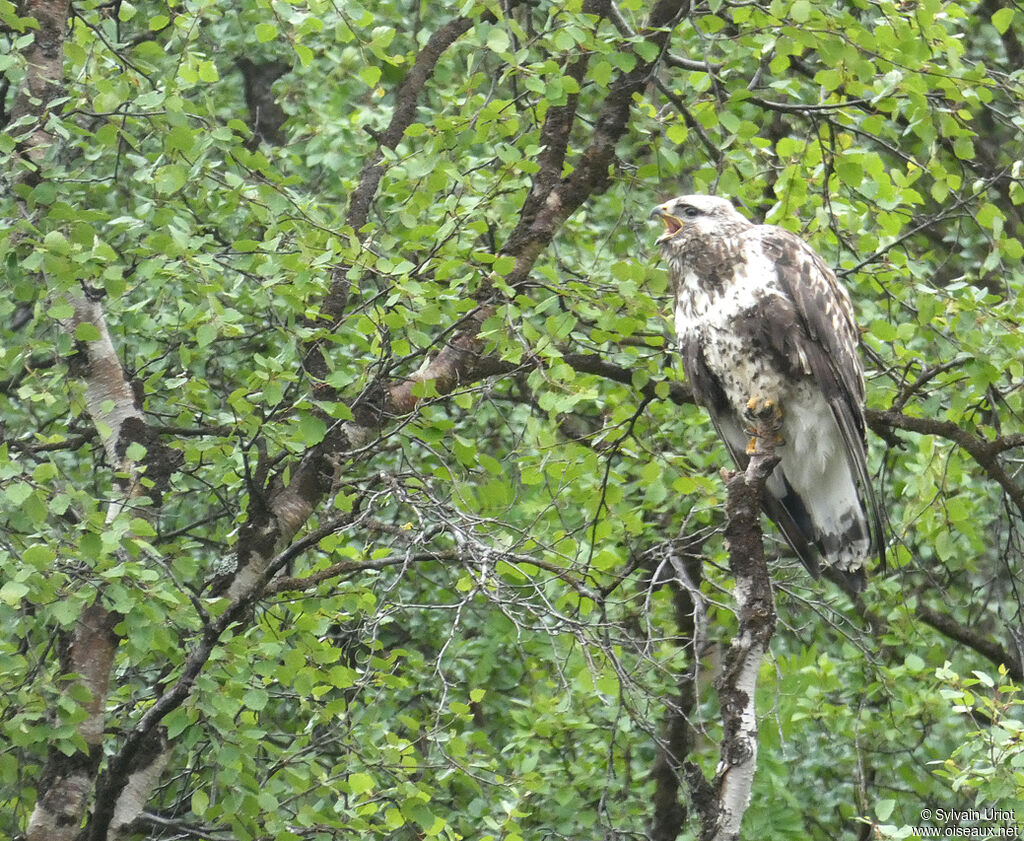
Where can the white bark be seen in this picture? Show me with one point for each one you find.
(108, 394)
(135, 795)
(755, 612)
(111, 403)
(736, 770)
(58, 812)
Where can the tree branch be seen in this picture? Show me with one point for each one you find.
(271, 526)
(737, 685)
(985, 453)
(949, 627)
(67, 780)
(44, 77)
(679, 739)
(404, 114)
(288, 507)
(590, 175)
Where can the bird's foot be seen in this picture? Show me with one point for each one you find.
(765, 425)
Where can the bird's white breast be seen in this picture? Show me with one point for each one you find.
(711, 315)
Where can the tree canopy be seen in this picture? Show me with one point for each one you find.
(350, 485)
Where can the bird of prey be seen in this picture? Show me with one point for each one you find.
(767, 332)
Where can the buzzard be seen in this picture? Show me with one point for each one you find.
(766, 331)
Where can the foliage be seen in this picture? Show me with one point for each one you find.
(486, 640)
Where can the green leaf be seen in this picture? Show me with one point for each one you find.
(829, 79)
(39, 557)
(963, 148)
(801, 11)
(12, 592)
(170, 178)
(677, 132)
(86, 331)
(106, 101)
(1012, 248)
(360, 783)
(850, 171)
(497, 40)
(884, 330)
(370, 75)
(256, 698)
(205, 334)
(1001, 19)
(208, 72)
(608, 684)
(56, 242)
(915, 664)
(265, 32)
(312, 429)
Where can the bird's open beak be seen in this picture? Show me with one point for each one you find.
(673, 224)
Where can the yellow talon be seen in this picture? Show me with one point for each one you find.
(765, 423)
(763, 407)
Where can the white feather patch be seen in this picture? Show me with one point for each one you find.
(815, 465)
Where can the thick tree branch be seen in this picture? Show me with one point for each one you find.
(722, 817)
(115, 783)
(671, 59)
(66, 783)
(985, 452)
(288, 507)
(585, 363)
(591, 170)
(271, 527)
(556, 131)
(67, 780)
(274, 522)
(679, 393)
(113, 404)
(43, 82)
(946, 625)
(403, 115)
(266, 116)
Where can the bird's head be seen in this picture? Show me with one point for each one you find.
(698, 216)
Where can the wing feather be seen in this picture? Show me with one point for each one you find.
(824, 345)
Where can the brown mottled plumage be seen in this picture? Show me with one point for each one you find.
(759, 315)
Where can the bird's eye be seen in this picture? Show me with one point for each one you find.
(691, 212)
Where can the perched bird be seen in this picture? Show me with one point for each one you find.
(767, 334)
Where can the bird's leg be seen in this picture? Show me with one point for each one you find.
(765, 423)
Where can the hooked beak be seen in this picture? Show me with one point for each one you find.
(673, 224)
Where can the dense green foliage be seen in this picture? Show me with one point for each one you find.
(497, 657)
